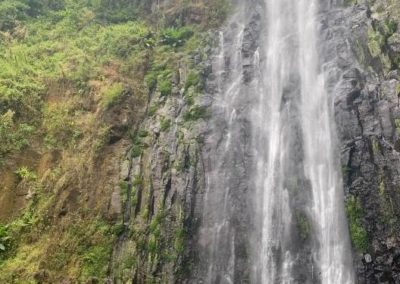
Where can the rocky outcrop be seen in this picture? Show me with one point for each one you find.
(367, 114)
(159, 179)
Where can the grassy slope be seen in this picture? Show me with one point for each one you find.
(71, 73)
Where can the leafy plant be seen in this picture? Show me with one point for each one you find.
(176, 36)
(193, 79)
(112, 94)
(25, 174)
(5, 240)
(165, 124)
(11, 11)
(195, 113)
(165, 87)
(358, 233)
(12, 136)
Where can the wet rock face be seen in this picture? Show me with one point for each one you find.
(367, 117)
(220, 246)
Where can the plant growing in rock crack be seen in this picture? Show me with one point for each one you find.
(5, 240)
(358, 233)
(165, 124)
(26, 175)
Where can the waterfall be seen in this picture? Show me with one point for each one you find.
(273, 208)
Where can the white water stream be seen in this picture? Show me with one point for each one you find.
(300, 232)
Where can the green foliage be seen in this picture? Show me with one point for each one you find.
(138, 146)
(193, 79)
(176, 37)
(11, 12)
(143, 133)
(152, 110)
(56, 57)
(159, 76)
(179, 243)
(96, 261)
(5, 241)
(375, 145)
(60, 126)
(195, 113)
(25, 174)
(375, 42)
(390, 27)
(123, 185)
(397, 124)
(165, 124)
(137, 150)
(138, 181)
(358, 233)
(116, 11)
(64, 47)
(165, 87)
(12, 136)
(151, 80)
(112, 95)
(152, 245)
(123, 40)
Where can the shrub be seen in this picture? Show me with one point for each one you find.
(195, 113)
(165, 124)
(193, 79)
(176, 36)
(13, 137)
(11, 11)
(96, 261)
(358, 234)
(112, 95)
(25, 174)
(152, 110)
(5, 241)
(60, 126)
(151, 80)
(165, 87)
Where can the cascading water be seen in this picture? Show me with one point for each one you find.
(273, 208)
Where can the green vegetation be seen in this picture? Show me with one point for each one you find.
(195, 113)
(5, 241)
(137, 144)
(165, 86)
(25, 174)
(193, 79)
(375, 146)
(165, 124)
(387, 208)
(112, 94)
(96, 260)
(381, 33)
(66, 66)
(376, 41)
(60, 127)
(358, 233)
(13, 136)
(179, 244)
(51, 62)
(176, 36)
(397, 124)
